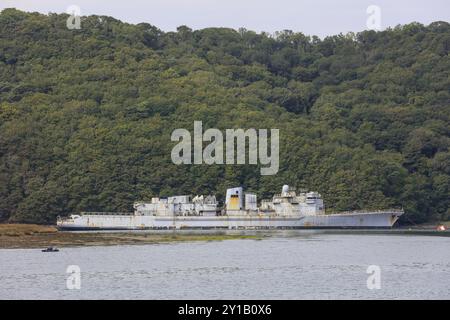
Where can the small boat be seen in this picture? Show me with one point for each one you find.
(50, 249)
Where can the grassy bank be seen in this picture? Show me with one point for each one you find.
(36, 236)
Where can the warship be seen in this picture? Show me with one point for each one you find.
(287, 210)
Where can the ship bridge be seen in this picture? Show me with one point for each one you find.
(288, 203)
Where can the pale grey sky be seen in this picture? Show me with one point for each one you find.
(312, 17)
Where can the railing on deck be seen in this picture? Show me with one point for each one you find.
(107, 213)
(366, 211)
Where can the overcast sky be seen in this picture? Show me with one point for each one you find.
(312, 17)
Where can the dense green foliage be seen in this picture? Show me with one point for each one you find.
(86, 115)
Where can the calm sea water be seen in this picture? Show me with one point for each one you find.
(287, 265)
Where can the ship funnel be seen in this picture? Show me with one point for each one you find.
(234, 199)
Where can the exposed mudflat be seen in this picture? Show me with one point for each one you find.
(36, 236)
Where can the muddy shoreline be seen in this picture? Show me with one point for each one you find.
(24, 236)
(29, 236)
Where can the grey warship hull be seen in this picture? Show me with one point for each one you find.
(375, 219)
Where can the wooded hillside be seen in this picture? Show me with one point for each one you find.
(86, 115)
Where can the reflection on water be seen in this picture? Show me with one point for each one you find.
(287, 265)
